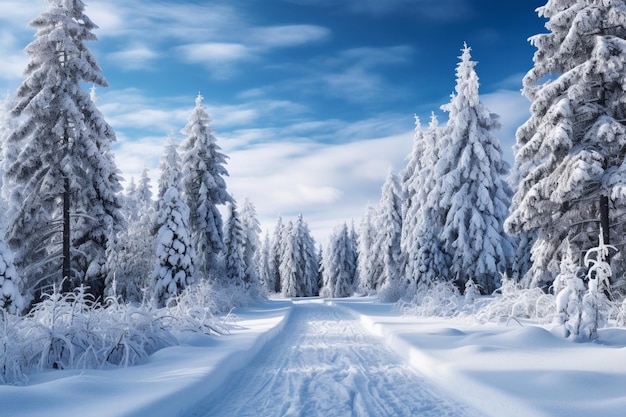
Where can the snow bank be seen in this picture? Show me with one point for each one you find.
(171, 381)
(507, 370)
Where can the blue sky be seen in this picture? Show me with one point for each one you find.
(312, 100)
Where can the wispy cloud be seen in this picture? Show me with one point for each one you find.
(441, 10)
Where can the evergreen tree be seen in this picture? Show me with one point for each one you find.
(131, 257)
(63, 181)
(204, 189)
(426, 261)
(276, 256)
(235, 240)
(339, 264)
(252, 244)
(570, 153)
(264, 270)
(368, 254)
(287, 266)
(475, 196)
(173, 271)
(298, 263)
(388, 225)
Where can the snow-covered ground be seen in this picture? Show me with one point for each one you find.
(325, 357)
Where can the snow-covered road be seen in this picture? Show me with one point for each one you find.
(324, 363)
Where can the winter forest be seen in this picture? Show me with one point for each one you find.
(94, 275)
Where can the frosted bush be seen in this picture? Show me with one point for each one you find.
(511, 302)
(438, 299)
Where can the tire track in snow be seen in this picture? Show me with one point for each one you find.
(324, 363)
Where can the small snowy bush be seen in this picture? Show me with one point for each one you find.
(511, 302)
(438, 299)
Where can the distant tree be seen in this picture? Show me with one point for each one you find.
(299, 263)
(131, 256)
(173, 271)
(368, 266)
(287, 266)
(388, 226)
(264, 270)
(204, 189)
(235, 240)
(252, 245)
(474, 193)
(275, 260)
(339, 264)
(426, 261)
(63, 182)
(570, 153)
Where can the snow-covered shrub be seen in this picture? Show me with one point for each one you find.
(11, 352)
(439, 299)
(471, 292)
(194, 310)
(568, 289)
(595, 303)
(620, 319)
(513, 302)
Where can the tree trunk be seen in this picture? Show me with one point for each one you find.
(67, 277)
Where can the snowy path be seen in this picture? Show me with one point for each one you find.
(324, 363)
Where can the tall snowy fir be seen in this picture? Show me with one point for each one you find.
(252, 245)
(367, 254)
(339, 264)
(63, 182)
(173, 271)
(298, 263)
(474, 194)
(569, 154)
(388, 226)
(235, 240)
(275, 254)
(205, 189)
(426, 261)
(131, 258)
(264, 269)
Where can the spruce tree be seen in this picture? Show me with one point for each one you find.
(474, 194)
(569, 155)
(235, 240)
(63, 182)
(173, 271)
(204, 189)
(388, 225)
(252, 244)
(339, 264)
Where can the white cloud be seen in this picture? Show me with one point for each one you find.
(215, 51)
(287, 36)
(137, 57)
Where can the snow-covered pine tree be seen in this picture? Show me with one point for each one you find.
(570, 153)
(388, 226)
(299, 262)
(367, 254)
(276, 256)
(173, 271)
(204, 189)
(426, 262)
(287, 266)
(234, 241)
(64, 174)
(306, 259)
(264, 270)
(339, 264)
(131, 260)
(251, 246)
(474, 194)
